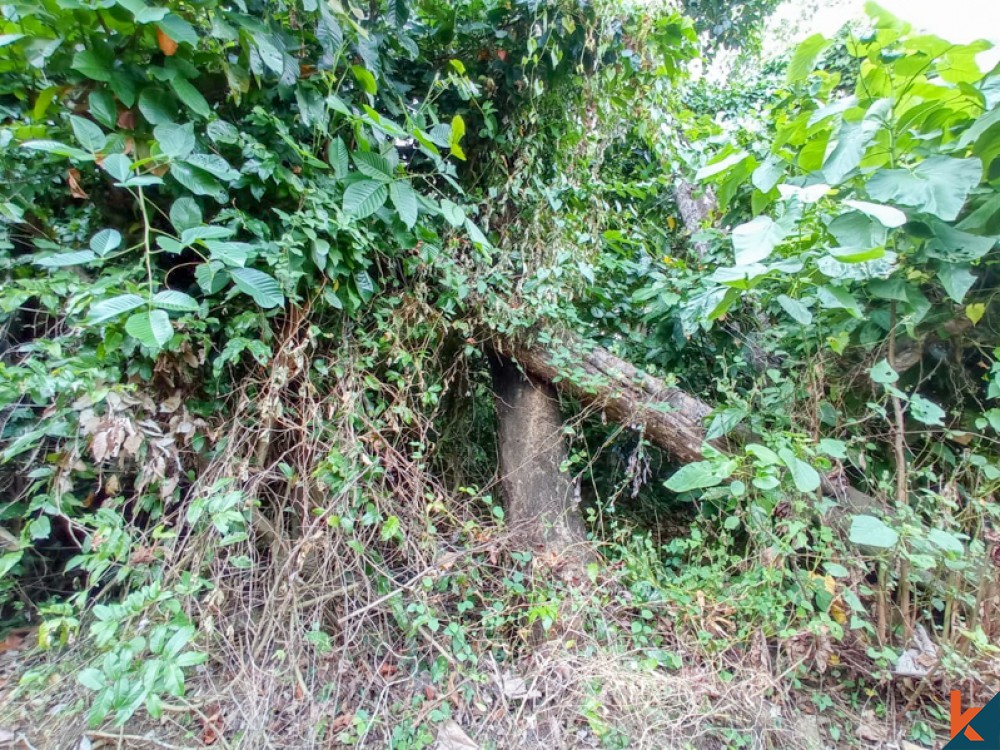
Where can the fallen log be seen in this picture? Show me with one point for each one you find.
(667, 415)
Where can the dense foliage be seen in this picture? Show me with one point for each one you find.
(254, 255)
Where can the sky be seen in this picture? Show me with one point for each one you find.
(960, 21)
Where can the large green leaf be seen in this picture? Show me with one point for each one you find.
(699, 475)
(405, 201)
(190, 96)
(364, 198)
(259, 285)
(92, 65)
(373, 165)
(60, 260)
(956, 246)
(805, 477)
(88, 134)
(151, 327)
(171, 299)
(107, 309)
(938, 185)
(799, 312)
(957, 280)
(804, 57)
(755, 240)
(869, 531)
(105, 241)
(176, 141)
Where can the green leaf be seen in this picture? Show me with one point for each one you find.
(453, 213)
(755, 240)
(259, 285)
(767, 175)
(92, 679)
(938, 185)
(105, 241)
(185, 213)
(362, 199)
(40, 528)
(835, 297)
(142, 12)
(156, 106)
(476, 234)
(887, 216)
(91, 64)
(799, 312)
(118, 166)
(6, 39)
(213, 164)
(271, 52)
(805, 477)
(457, 132)
(869, 531)
(945, 541)
(373, 165)
(956, 279)
(60, 260)
(804, 57)
(170, 299)
(88, 134)
(54, 147)
(882, 373)
(956, 246)
(176, 141)
(365, 79)
(337, 155)
(721, 165)
(405, 201)
(197, 181)
(178, 29)
(926, 411)
(190, 96)
(111, 308)
(102, 107)
(152, 328)
(699, 475)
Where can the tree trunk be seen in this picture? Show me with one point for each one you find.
(694, 211)
(667, 415)
(541, 500)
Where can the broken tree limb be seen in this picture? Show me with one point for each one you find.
(668, 416)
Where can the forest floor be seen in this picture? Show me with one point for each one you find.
(566, 694)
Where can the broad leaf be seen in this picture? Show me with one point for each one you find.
(698, 475)
(259, 285)
(152, 328)
(107, 309)
(362, 199)
(926, 411)
(805, 477)
(170, 299)
(799, 312)
(105, 241)
(59, 260)
(176, 141)
(405, 201)
(957, 280)
(804, 57)
(869, 531)
(938, 185)
(88, 134)
(883, 374)
(755, 240)
(373, 165)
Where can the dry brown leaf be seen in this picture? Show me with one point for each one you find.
(211, 725)
(73, 178)
(342, 722)
(452, 737)
(167, 45)
(126, 119)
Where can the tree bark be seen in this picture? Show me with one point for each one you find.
(667, 415)
(541, 501)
